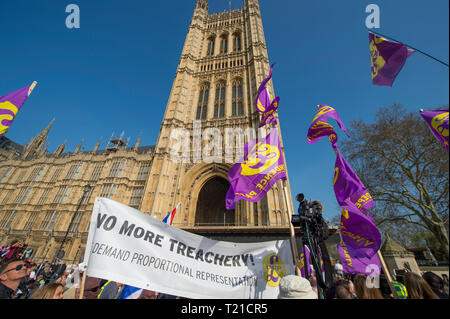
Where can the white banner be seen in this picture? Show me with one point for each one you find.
(130, 247)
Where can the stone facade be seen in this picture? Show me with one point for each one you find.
(224, 59)
(40, 192)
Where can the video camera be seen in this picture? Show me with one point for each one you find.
(311, 212)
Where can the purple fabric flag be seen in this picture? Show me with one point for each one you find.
(359, 231)
(353, 262)
(264, 104)
(304, 260)
(438, 122)
(320, 127)
(268, 117)
(387, 59)
(260, 168)
(10, 104)
(348, 188)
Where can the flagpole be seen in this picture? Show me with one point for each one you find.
(32, 86)
(291, 229)
(388, 275)
(83, 282)
(428, 55)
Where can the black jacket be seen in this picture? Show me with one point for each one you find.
(5, 292)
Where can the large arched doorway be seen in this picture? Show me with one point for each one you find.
(211, 210)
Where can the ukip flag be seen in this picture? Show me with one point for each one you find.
(264, 104)
(320, 127)
(359, 231)
(387, 59)
(353, 262)
(304, 261)
(260, 168)
(10, 105)
(438, 122)
(348, 188)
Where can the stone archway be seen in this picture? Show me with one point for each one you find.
(210, 210)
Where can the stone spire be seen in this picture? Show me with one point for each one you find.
(60, 149)
(78, 147)
(97, 146)
(137, 143)
(34, 147)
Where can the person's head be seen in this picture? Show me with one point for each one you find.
(435, 282)
(417, 287)
(148, 294)
(313, 281)
(295, 287)
(363, 291)
(91, 288)
(343, 290)
(12, 272)
(49, 291)
(445, 277)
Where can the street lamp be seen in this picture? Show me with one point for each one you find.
(86, 190)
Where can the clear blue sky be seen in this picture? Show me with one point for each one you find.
(115, 73)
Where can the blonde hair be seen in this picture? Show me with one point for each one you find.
(47, 291)
(417, 287)
(362, 291)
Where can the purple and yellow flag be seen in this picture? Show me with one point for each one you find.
(264, 104)
(304, 261)
(260, 168)
(353, 262)
(10, 105)
(320, 127)
(438, 122)
(387, 59)
(348, 188)
(359, 231)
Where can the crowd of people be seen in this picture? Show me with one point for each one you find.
(21, 278)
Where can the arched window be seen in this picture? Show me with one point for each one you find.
(223, 44)
(210, 51)
(202, 102)
(219, 102)
(236, 42)
(237, 108)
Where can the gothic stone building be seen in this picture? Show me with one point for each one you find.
(223, 61)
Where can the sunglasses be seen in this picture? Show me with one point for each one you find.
(92, 289)
(17, 268)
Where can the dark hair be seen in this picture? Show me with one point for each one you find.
(343, 290)
(4, 265)
(435, 282)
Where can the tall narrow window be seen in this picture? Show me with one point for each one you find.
(56, 175)
(210, 51)
(219, 102)
(237, 108)
(223, 44)
(95, 176)
(203, 102)
(144, 170)
(108, 191)
(5, 175)
(116, 168)
(30, 221)
(11, 219)
(61, 195)
(52, 221)
(236, 42)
